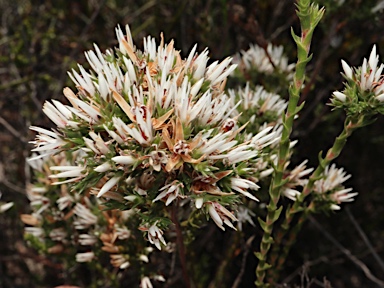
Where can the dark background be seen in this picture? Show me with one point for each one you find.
(41, 40)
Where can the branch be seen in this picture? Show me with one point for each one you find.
(347, 253)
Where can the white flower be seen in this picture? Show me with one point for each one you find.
(122, 232)
(47, 141)
(125, 160)
(146, 283)
(108, 185)
(258, 98)
(85, 257)
(331, 186)
(155, 236)
(244, 215)
(333, 177)
(347, 69)
(369, 76)
(35, 231)
(103, 167)
(170, 192)
(241, 185)
(199, 202)
(58, 234)
(296, 175)
(220, 215)
(5, 206)
(85, 217)
(86, 239)
(340, 96)
(290, 193)
(120, 261)
(256, 58)
(66, 172)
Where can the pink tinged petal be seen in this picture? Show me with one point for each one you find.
(108, 185)
(340, 96)
(347, 69)
(215, 216)
(125, 160)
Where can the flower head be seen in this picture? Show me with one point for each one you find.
(330, 188)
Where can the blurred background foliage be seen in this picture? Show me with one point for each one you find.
(41, 40)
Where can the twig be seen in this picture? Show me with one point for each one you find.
(82, 37)
(347, 253)
(219, 279)
(180, 244)
(365, 239)
(12, 130)
(247, 246)
(5, 182)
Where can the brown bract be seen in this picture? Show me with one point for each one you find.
(179, 147)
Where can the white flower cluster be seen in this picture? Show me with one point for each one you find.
(65, 222)
(257, 58)
(258, 105)
(328, 190)
(368, 77)
(331, 189)
(154, 128)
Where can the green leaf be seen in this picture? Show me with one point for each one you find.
(277, 214)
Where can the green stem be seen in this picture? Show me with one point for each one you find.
(309, 16)
(349, 126)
